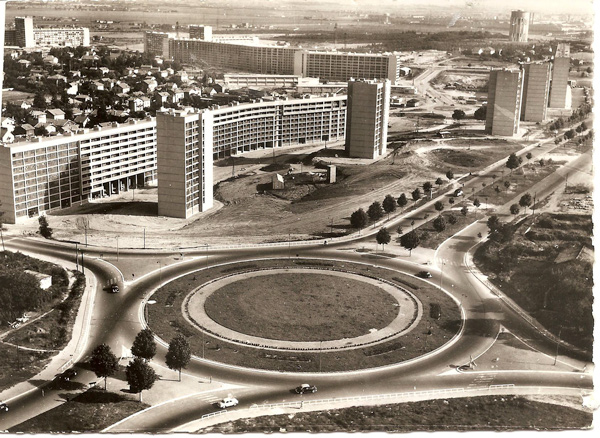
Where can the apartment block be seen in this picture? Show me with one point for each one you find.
(200, 32)
(26, 35)
(61, 36)
(341, 66)
(189, 141)
(536, 86)
(504, 102)
(46, 174)
(251, 58)
(233, 81)
(24, 32)
(367, 120)
(157, 44)
(519, 26)
(559, 87)
(185, 154)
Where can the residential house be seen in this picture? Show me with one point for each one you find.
(97, 86)
(122, 88)
(36, 117)
(176, 95)
(149, 85)
(24, 130)
(55, 114)
(82, 120)
(72, 88)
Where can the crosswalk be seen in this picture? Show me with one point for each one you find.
(447, 262)
(482, 380)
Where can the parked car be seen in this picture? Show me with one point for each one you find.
(424, 274)
(458, 192)
(3, 407)
(304, 388)
(228, 402)
(114, 289)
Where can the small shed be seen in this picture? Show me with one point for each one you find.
(44, 280)
(278, 182)
(331, 173)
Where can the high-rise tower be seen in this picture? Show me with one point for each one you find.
(536, 85)
(367, 118)
(519, 26)
(24, 32)
(559, 88)
(504, 102)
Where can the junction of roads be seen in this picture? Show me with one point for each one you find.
(496, 349)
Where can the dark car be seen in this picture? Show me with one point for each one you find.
(68, 375)
(304, 388)
(458, 192)
(424, 274)
(3, 407)
(114, 289)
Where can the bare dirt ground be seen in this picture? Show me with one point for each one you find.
(246, 210)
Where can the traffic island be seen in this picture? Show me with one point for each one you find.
(367, 316)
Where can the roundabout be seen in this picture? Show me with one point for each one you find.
(302, 309)
(377, 317)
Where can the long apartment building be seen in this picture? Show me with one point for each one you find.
(189, 141)
(50, 173)
(249, 56)
(26, 35)
(504, 102)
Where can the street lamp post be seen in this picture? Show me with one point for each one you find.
(76, 256)
(557, 344)
(117, 248)
(160, 270)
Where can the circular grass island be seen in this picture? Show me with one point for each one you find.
(301, 306)
(259, 303)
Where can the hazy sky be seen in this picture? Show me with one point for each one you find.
(548, 6)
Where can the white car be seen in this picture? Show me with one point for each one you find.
(228, 402)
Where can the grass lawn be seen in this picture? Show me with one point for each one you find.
(499, 413)
(430, 238)
(166, 320)
(91, 411)
(302, 307)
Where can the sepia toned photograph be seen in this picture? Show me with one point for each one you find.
(285, 216)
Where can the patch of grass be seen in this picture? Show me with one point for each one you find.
(470, 159)
(430, 238)
(167, 321)
(303, 307)
(91, 411)
(469, 413)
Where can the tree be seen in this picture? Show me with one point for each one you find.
(375, 211)
(144, 345)
(528, 155)
(140, 376)
(481, 113)
(399, 230)
(464, 210)
(451, 201)
(493, 223)
(450, 175)
(512, 162)
(525, 201)
(476, 202)
(439, 206)
(383, 237)
(427, 187)
(569, 134)
(45, 229)
(514, 209)
(402, 201)
(416, 194)
(439, 182)
(507, 184)
(103, 362)
(179, 354)
(452, 219)
(410, 241)
(359, 219)
(439, 224)
(458, 114)
(39, 101)
(389, 204)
